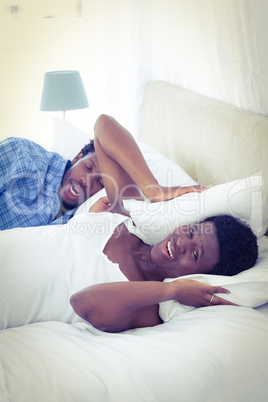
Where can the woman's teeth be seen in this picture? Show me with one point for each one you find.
(72, 190)
(169, 250)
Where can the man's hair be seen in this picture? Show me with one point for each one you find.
(88, 148)
(237, 243)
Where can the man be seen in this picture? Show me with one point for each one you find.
(38, 187)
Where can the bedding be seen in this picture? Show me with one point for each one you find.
(242, 199)
(215, 353)
(52, 263)
(209, 354)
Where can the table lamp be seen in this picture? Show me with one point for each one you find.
(63, 90)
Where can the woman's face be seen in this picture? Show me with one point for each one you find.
(81, 181)
(190, 249)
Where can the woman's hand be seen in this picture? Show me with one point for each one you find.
(159, 193)
(190, 189)
(194, 293)
(102, 205)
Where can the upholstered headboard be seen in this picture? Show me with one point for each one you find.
(212, 141)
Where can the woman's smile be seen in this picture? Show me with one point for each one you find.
(167, 250)
(188, 250)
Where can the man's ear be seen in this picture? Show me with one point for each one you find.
(78, 156)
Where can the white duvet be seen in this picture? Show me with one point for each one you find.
(41, 267)
(210, 354)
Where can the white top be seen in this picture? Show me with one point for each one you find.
(41, 267)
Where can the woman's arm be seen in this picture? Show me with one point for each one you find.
(123, 167)
(118, 306)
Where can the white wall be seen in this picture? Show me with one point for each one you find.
(41, 36)
(214, 47)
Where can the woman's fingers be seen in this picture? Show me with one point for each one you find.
(192, 189)
(219, 289)
(199, 189)
(217, 300)
(198, 294)
(102, 205)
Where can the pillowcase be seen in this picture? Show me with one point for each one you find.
(248, 288)
(240, 198)
(167, 172)
(68, 140)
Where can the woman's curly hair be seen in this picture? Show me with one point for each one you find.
(237, 243)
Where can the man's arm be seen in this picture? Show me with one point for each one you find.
(118, 306)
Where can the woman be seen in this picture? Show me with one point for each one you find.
(214, 246)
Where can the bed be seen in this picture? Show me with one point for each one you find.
(217, 353)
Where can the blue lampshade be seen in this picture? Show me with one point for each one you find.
(63, 90)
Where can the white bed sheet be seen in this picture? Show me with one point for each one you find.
(210, 354)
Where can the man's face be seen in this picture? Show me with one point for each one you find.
(81, 181)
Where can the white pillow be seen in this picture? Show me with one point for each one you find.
(240, 198)
(167, 172)
(68, 140)
(248, 288)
